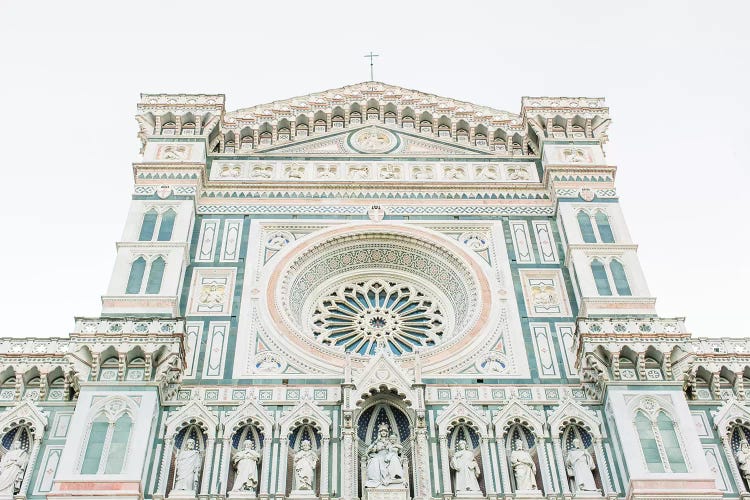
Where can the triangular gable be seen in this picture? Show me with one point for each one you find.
(731, 412)
(248, 413)
(194, 410)
(25, 411)
(382, 372)
(396, 141)
(516, 412)
(305, 412)
(456, 412)
(569, 412)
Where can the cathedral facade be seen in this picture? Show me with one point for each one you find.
(381, 294)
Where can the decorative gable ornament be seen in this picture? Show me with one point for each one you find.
(305, 413)
(25, 412)
(516, 412)
(248, 413)
(730, 413)
(461, 413)
(570, 412)
(194, 412)
(383, 374)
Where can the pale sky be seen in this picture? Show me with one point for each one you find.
(675, 76)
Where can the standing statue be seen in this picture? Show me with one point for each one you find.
(12, 467)
(743, 459)
(187, 468)
(467, 469)
(579, 465)
(246, 463)
(384, 460)
(305, 460)
(524, 468)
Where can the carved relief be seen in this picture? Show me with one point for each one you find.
(173, 152)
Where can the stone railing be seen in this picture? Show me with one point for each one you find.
(38, 347)
(128, 326)
(630, 326)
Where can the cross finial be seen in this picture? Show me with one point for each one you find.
(372, 71)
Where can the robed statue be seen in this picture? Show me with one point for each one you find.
(245, 462)
(579, 464)
(188, 464)
(467, 469)
(305, 460)
(12, 467)
(384, 460)
(524, 468)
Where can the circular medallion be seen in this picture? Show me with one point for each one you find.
(373, 140)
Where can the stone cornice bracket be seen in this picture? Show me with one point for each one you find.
(581, 118)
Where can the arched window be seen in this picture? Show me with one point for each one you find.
(587, 230)
(671, 443)
(265, 138)
(462, 135)
(653, 368)
(355, 118)
(148, 225)
(188, 128)
(619, 277)
(425, 126)
(229, 147)
(407, 122)
(605, 231)
(246, 143)
(600, 278)
(137, 268)
(373, 114)
(166, 226)
(107, 445)
(444, 131)
(155, 276)
(56, 390)
(659, 439)
(390, 118)
(480, 140)
(337, 121)
(302, 130)
(168, 128)
(284, 134)
(648, 443)
(320, 126)
(627, 368)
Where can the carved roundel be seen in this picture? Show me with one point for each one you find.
(361, 293)
(373, 140)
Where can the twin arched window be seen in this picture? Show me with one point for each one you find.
(152, 219)
(107, 445)
(138, 271)
(659, 443)
(587, 222)
(605, 278)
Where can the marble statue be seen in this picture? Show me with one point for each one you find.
(579, 465)
(524, 468)
(384, 460)
(743, 459)
(467, 469)
(187, 468)
(12, 467)
(246, 461)
(305, 460)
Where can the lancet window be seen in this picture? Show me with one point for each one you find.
(138, 269)
(659, 439)
(587, 222)
(153, 219)
(107, 439)
(610, 277)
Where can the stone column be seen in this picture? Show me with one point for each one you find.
(265, 467)
(421, 466)
(489, 480)
(726, 442)
(541, 450)
(223, 477)
(30, 466)
(324, 490)
(207, 461)
(349, 465)
(164, 472)
(601, 463)
(557, 447)
(503, 461)
(445, 468)
(282, 466)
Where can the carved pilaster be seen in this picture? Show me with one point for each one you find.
(604, 473)
(164, 470)
(207, 461)
(489, 480)
(282, 466)
(265, 467)
(325, 492)
(348, 465)
(445, 467)
(557, 448)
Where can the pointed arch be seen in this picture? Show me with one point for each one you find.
(517, 413)
(461, 413)
(570, 412)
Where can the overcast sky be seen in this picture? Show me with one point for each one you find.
(675, 76)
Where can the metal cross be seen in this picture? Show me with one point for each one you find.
(372, 56)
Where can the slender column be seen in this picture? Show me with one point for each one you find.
(503, 460)
(544, 465)
(349, 466)
(282, 466)
(741, 488)
(557, 447)
(207, 460)
(164, 473)
(603, 468)
(422, 472)
(223, 477)
(30, 466)
(265, 467)
(324, 489)
(489, 481)
(445, 468)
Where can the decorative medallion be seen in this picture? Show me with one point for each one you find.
(373, 140)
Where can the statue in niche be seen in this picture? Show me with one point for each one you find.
(467, 469)
(12, 468)
(305, 460)
(384, 460)
(187, 468)
(579, 465)
(245, 462)
(524, 468)
(743, 460)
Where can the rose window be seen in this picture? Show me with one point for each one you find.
(378, 314)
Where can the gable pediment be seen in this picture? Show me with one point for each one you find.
(372, 141)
